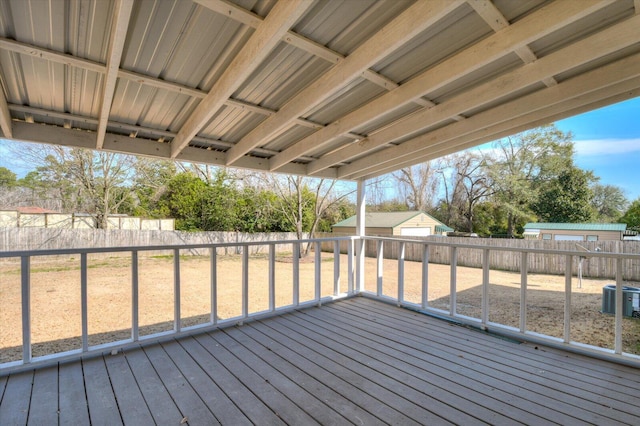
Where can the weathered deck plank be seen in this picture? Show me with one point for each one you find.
(358, 361)
(133, 408)
(44, 397)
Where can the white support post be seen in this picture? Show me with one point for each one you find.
(425, 276)
(567, 298)
(296, 273)
(135, 300)
(25, 271)
(401, 248)
(524, 273)
(619, 308)
(176, 291)
(452, 282)
(245, 281)
(318, 271)
(272, 277)
(360, 232)
(485, 287)
(83, 302)
(336, 268)
(213, 253)
(380, 267)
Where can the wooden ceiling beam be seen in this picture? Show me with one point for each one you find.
(282, 17)
(416, 148)
(581, 52)
(117, 38)
(605, 97)
(497, 21)
(480, 54)
(407, 25)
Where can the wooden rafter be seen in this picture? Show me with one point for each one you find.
(496, 20)
(406, 26)
(474, 57)
(117, 39)
(579, 53)
(626, 71)
(264, 39)
(5, 116)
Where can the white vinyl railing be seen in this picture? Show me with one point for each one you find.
(214, 321)
(522, 332)
(355, 281)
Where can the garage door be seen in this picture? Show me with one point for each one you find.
(416, 232)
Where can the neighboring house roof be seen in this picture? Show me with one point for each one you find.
(444, 228)
(385, 219)
(620, 227)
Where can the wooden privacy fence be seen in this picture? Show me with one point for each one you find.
(592, 267)
(14, 239)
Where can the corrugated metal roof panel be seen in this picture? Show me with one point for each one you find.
(577, 226)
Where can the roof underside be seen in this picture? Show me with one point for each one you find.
(346, 89)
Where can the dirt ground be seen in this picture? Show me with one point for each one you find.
(56, 311)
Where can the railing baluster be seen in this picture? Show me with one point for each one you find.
(135, 306)
(213, 253)
(296, 273)
(318, 272)
(619, 307)
(350, 267)
(485, 286)
(524, 267)
(83, 302)
(401, 249)
(567, 298)
(177, 325)
(336, 267)
(272, 277)
(245, 281)
(425, 276)
(380, 267)
(25, 271)
(452, 282)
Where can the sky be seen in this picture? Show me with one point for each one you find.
(607, 141)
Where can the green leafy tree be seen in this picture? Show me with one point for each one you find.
(608, 202)
(520, 164)
(7, 178)
(632, 216)
(183, 200)
(566, 199)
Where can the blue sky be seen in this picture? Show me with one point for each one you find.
(607, 141)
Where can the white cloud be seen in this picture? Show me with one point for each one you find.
(598, 147)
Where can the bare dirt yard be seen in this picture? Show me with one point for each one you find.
(56, 298)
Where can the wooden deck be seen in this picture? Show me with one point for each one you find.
(357, 361)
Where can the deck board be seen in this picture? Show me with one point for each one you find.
(44, 397)
(357, 361)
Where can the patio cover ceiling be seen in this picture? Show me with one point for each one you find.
(346, 89)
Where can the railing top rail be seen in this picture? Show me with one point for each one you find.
(68, 251)
(480, 246)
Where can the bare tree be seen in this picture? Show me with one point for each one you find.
(418, 185)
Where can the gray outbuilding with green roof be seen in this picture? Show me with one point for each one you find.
(407, 223)
(574, 231)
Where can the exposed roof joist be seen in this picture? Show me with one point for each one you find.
(406, 26)
(262, 41)
(116, 45)
(579, 53)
